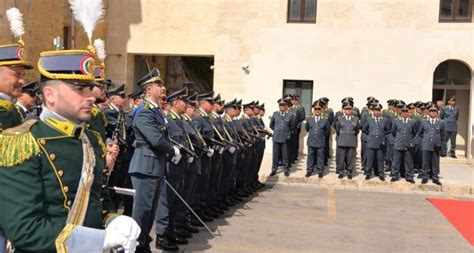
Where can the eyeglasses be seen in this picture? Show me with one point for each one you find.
(318, 109)
(432, 110)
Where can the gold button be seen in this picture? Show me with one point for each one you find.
(66, 189)
(103, 156)
(69, 203)
(103, 186)
(101, 199)
(104, 211)
(60, 173)
(104, 171)
(42, 141)
(52, 156)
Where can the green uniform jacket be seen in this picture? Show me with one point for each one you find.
(9, 115)
(39, 180)
(98, 122)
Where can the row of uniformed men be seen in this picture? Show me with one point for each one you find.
(195, 144)
(403, 138)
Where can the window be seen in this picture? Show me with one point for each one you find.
(455, 10)
(66, 44)
(303, 88)
(302, 11)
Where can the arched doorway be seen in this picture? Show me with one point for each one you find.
(453, 77)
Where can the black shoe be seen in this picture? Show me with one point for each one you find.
(237, 198)
(261, 184)
(212, 214)
(197, 223)
(222, 206)
(241, 194)
(382, 178)
(420, 176)
(341, 176)
(394, 179)
(349, 176)
(367, 177)
(179, 240)
(308, 174)
(183, 233)
(437, 182)
(410, 181)
(320, 175)
(204, 217)
(424, 181)
(287, 173)
(192, 230)
(164, 243)
(454, 156)
(273, 173)
(143, 249)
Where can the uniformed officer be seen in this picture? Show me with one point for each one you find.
(232, 110)
(300, 115)
(404, 130)
(347, 128)
(12, 78)
(203, 123)
(432, 131)
(281, 123)
(260, 126)
(116, 132)
(450, 115)
(318, 127)
(61, 163)
(330, 115)
(27, 100)
(185, 219)
(376, 127)
(390, 114)
(152, 149)
(175, 172)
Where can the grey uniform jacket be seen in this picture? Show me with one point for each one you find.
(317, 131)
(450, 117)
(347, 131)
(404, 133)
(151, 142)
(203, 125)
(376, 131)
(282, 125)
(178, 134)
(431, 134)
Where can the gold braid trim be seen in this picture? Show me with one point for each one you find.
(108, 217)
(14, 62)
(62, 76)
(17, 144)
(60, 241)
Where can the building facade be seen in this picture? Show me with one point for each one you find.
(333, 48)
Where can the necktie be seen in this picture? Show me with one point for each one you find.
(317, 119)
(377, 121)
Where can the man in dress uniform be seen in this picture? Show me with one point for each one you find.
(232, 110)
(347, 128)
(390, 114)
(300, 115)
(432, 132)
(167, 239)
(68, 206)
(203, 123)
(152, 150)
(257, 121)
(376, 127)
(185, 219)
(404, 130)
(12, 79)
(317, 127)
(450, 115)
(281, 123)
(27, 100)
(330, 115)
(116, 132)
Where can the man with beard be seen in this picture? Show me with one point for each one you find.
(66, 208)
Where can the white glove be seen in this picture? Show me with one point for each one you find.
(232, 149)
(122, 231)
(177, 155)
(190, 159)
(221, 150)
(210, 152)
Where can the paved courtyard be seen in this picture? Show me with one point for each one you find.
(308, 218)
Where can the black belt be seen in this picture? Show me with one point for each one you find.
(142, 145)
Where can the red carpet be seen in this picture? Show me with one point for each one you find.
(460, 213)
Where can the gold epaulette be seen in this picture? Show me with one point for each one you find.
(7, 105)
(95, 111)
(17, 144)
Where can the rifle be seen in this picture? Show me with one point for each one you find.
(185, 149)
(214, 141)
(115, 139)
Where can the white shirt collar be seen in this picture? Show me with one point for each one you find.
(21, 106)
